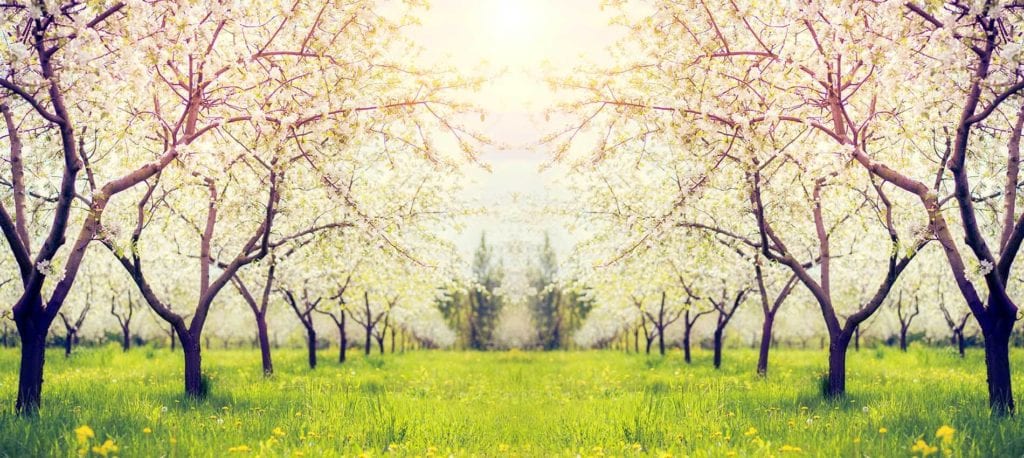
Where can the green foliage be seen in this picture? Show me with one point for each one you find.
(502, 403)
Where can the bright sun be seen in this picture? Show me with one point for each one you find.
(512, 17)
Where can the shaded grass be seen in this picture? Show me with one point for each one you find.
(527, 404)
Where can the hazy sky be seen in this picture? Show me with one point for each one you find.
(521, 36)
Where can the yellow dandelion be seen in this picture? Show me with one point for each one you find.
(239, 449)
(790, 449)
(883, 430)
(278, 432)
(147, 430)
(83, 434)
(923, 448)
(945, 432)
(105, 448)
(751, 432)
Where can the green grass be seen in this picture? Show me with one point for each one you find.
(511, 403)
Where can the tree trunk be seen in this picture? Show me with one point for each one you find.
(836, 386)
(903, 339)
(686, 345)
(126, 338)
(32, 327)
(997, 364)
(718, 347)
(636, 340)
(856, 339)
(193, 366)
(661, 341)
(380, 344)
(368, 337)
(766, 343)
(392, 341)
(311, 345)
(264, 341)
(30, 382)
(647, 349)
(959, 338)
(68, 341)
(342, 342)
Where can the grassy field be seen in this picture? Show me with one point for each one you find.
(510, 403)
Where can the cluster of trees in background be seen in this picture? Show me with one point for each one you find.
(866, 151)
(551, 308)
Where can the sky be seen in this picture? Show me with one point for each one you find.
(521, 37)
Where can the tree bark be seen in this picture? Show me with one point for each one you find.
(661, 341)
(766, 343)
(959, 339)
(369, 336)
(311, 345)
(342, 340)
(30, 381)
(68, 341)
(264, 341)
(686, 345)
(997, 330)
(193, 366)
(718, 347)
(32, 324)
(836, 384)
(126, 338)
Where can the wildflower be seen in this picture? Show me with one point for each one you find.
(83, 433)
(239, 449)
(105, 448)
(883, 430)
(945, 432)
(790, 449)
(923, 448)
(751, 432)
(147, 430)
(278, 432)
(865, 409)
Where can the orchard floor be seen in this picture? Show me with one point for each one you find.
(433, 403)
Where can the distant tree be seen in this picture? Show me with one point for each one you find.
(484, 302)
(71, 328)
(124, 319)
(906, 318)
(368, 318)
(303, 304)
(547, 306)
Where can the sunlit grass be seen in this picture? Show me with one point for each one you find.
(527, 404)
